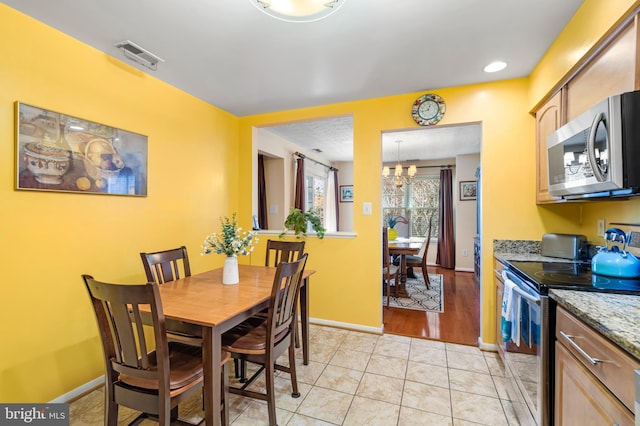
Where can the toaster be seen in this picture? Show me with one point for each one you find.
(564, 246)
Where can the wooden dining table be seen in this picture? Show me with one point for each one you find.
(402, 249)
(203, 300)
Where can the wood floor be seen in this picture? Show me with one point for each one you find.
(460, 321)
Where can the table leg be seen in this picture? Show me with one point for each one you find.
(212, 375)
(304, 314)
(400, 289)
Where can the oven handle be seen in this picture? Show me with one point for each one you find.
(577, 347)
(507, 274)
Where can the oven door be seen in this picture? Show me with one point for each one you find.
(524, 349)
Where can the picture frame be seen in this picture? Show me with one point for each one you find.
(346, 193)
(62, 153)
(468, 190)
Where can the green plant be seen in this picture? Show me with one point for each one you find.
(232, 241)
(297, 222)
(393, 220)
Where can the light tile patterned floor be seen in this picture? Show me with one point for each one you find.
(356, 378)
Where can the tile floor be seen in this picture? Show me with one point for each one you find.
(356, 378)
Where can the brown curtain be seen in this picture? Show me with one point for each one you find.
(335, 193)
(298, 201)
(262, 195)
(446, 244)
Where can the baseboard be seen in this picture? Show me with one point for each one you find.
(491, 347)
(464, 270)
(346, 325)
(79, 391)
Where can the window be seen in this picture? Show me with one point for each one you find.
(315, 195)
(418, 202)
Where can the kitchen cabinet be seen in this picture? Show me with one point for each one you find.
(611, 67)
(611, 71)
(548, 119)
(593, 377)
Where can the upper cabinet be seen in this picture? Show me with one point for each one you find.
(611, 68)
(548, 119)
(611, 71)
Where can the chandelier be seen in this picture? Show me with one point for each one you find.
(298, 10)
(397, 178)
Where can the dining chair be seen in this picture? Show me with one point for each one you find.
(283, 251)
(153, 381)
(420, 261)
(169, 265)
(388, 268)
(261, 340)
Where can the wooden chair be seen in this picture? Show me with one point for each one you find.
(388, 268)
(152, 381)
(262, 340)
(164, 266)
(420, 261)
(283, 251)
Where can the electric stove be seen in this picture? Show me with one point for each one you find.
(543, 276)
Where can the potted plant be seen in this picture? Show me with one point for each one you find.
(232, 242)
(297, 221)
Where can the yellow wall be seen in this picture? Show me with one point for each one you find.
(49, 335)
(349, 291)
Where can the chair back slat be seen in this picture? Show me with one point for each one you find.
(284, 296)
(164, 266)
(425, 245)
(283, 251)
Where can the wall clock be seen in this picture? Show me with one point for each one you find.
(428, 109)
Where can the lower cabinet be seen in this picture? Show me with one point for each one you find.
(593, 377)
(580, 398)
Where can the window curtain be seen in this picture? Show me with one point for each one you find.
(336, 198)
(446, 244)
(298, 201)
(263, 222)
(330, 203)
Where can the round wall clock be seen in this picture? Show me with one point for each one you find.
(428, 109)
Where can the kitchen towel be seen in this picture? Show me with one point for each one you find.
(509, 322)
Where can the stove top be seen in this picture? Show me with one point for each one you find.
(573, 276)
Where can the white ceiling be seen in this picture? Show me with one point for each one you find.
(235, 57)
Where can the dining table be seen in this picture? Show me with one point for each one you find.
(203, 300)
(403, 248)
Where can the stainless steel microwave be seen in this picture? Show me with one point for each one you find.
(597, 154)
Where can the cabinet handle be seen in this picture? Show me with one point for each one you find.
(582, 352)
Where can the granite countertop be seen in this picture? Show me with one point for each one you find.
(521, 250)
(616, 316)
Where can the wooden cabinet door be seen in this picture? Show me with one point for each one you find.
(580, 399)
(611, 72)
(548, 119)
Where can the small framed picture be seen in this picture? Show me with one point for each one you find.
(468, 190)
(346, 193)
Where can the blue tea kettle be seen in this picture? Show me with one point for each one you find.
(614, 262)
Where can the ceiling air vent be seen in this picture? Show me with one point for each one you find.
(139, 55)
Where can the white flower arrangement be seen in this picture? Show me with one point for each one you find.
(232, 241)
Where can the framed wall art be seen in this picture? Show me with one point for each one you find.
(346, 193)
(59, 152)
(468, 190)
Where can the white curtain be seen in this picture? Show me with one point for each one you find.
(330, 203)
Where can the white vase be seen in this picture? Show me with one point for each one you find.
(230, 271)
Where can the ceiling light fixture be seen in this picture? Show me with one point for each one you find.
(298, 10)
(495, 66)
(398, 179)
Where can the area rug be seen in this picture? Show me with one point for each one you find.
(421, 298)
